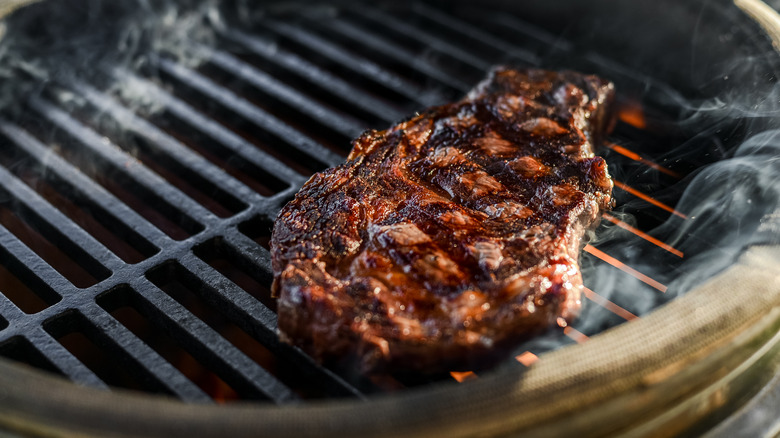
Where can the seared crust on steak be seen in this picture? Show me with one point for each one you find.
(451, 234)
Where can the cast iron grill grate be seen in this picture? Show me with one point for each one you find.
(134, 246)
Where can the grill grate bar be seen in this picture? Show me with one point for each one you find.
(656, 93)
(223, 183)
(260, 256)
(210, 348)
(329, 117)
(514, 24)
(232, 295)
(32, 262)
(50, 221)
(144, 357)
(398, 53)
(252, 113)
(464, 28)
(88, 188)
(331, 381)
(315, 75)
(62, 359)
(255, 318)
(428, 38)
(214, 130)
(349, 60)
(123, 162)
(9, 310)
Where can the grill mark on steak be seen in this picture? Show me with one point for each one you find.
(450, 234)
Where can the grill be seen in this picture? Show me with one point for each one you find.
(137, 201)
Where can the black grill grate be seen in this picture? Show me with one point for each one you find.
(133, 247)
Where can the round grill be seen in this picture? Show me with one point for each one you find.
(137, 197)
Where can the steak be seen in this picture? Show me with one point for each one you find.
(452, 235)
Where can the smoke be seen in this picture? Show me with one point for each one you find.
(731, 205)
(734, 202)
(55, 42)
(733, 98)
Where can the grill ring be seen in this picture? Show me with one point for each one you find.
(661, 378)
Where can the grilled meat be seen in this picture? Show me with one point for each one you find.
(452, 234)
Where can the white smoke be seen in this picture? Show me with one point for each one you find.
(727, 204)
(55, 41)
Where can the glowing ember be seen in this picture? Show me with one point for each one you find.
(636, 157)
(463, 376)
(648, 198)
(609, 305)
(642, 234)
(527, 358)
(630, 112)
(625, 268)
(575, 334)
(219, 390)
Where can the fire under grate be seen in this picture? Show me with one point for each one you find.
(134, 244)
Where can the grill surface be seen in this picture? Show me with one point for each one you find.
(133, 244)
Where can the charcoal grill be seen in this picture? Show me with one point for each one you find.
(134, 230)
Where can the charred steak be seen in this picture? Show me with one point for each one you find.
(451, 234)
